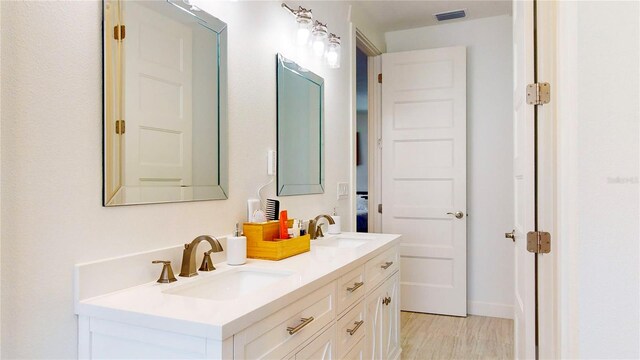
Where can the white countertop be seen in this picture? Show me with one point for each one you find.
(147, 305)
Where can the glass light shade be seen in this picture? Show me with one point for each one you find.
(303, 32)
(318, 46)
(333, 52)
(319, 38)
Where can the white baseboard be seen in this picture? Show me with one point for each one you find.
(490, 309)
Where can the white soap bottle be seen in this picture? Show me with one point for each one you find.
(335, 228)
(236, 248)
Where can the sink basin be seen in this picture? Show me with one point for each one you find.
(231, 284)
(341, 242)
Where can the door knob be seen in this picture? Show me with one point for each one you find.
(511, 235)
(458, 214)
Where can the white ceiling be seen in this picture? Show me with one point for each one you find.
(399, 15)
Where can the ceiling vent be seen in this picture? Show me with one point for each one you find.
(450, 15)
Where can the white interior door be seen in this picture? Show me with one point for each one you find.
(158, 113)
(523, 177)
(112, 100)
(424, 175)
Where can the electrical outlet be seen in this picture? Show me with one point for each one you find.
(343, 190)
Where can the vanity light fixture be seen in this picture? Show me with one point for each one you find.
(303, 18)
(319, 37)
(322, 42)
(333, 51)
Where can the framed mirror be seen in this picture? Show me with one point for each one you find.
(300, 129)
(165, 103)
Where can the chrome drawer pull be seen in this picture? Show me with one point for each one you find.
(355, 286)
(355, 328)
(386, 265)
(305, 322)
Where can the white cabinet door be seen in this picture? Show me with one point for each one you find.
(391, 317)
(382, 320)
(373, 324)
(321, 348)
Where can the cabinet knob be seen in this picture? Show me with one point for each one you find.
(386, 265)
(386, 300)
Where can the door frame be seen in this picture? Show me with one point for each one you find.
(548, 149)
(374, 114)
(557, 173)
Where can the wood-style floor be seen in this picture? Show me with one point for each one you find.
(426, 336)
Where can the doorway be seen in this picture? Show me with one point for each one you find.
(367, 159)
(362, 141)
(488, 210)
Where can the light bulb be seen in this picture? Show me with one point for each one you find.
(318, 47)
(303, 18)
(333, 52)
(319, 34)
(302, 35)
(332, 58)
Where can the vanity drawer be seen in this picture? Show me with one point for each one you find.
(350, 289)
(280, 333)
(351, 329)
(380, 267)
(357, 353)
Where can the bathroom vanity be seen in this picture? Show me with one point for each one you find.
(338, 301)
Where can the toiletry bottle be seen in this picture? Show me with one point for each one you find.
(284, 225)
(236, 248)
(296, 228)
(303, 228)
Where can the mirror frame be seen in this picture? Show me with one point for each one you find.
(219, 27)
(284, 64)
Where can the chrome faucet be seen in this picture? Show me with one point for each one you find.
(189, 256)
(315, 229)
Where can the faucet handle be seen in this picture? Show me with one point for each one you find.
(207, 263)
(166, 276)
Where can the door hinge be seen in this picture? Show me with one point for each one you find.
(379, 143)
(379, 78)
(539, 242)
(380, 208)
(120, 127)
(119, 32)
(538, 93)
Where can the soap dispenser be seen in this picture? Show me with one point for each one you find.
(236, 248)
(334, 229)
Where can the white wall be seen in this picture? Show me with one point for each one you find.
(599, 47)
(52, 152)
(489, 151)
(363, 22)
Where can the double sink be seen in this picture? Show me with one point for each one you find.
(244, 280)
